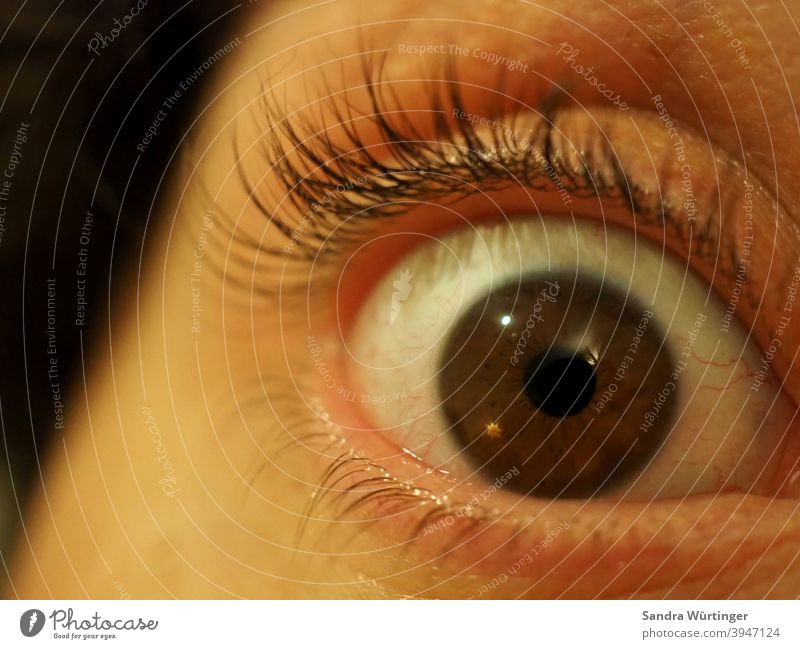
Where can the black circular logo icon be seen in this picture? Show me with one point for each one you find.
(31, 622)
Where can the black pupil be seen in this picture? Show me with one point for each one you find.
(562, 385)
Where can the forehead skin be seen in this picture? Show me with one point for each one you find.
(108, 502)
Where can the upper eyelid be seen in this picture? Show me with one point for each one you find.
(455, 162)
(300, 175)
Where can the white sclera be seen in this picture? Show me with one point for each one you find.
(725, 433)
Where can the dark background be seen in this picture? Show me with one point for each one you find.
(86, 113)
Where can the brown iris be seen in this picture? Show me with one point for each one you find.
(562, 382)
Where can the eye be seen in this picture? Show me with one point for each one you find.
(417, 248)
(441, 349)
(575, 358)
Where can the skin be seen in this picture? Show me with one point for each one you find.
(101, 521)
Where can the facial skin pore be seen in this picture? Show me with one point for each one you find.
(170, 480)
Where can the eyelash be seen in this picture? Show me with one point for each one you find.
(389, 496)
(455, 163)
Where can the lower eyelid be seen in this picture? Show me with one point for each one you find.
(561, 549)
